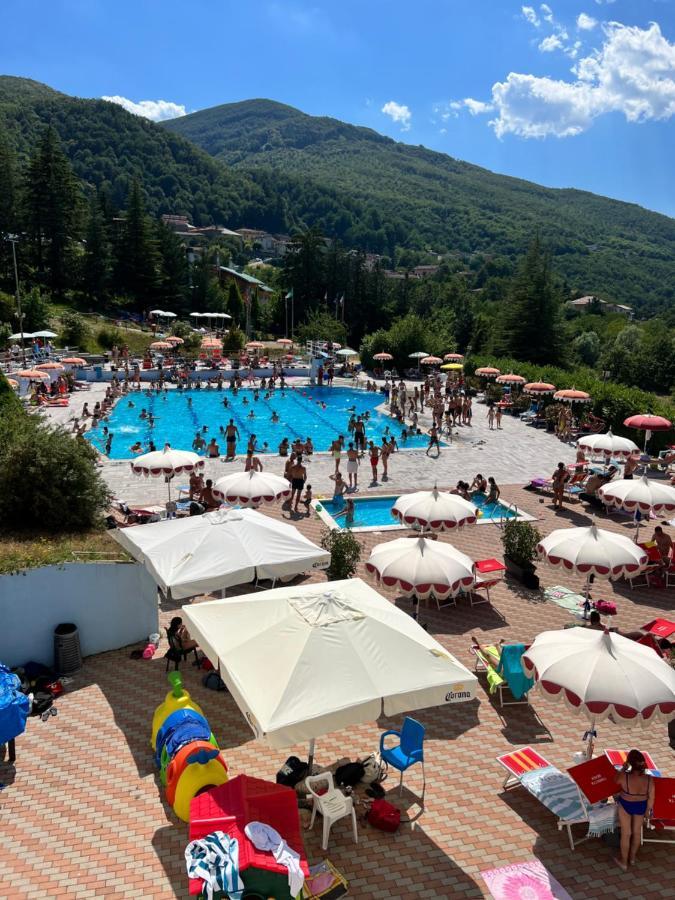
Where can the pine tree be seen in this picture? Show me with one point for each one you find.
(96, 266)
(52, 202)
(255, 310)
(8, 212)
(235, 304)
(137, 274)
(173, 288)
(531, 327)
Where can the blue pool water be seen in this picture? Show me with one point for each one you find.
(300, 411)
(371, 512)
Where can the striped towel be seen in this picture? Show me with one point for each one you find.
(557, 791)
(215, 859)
(602, 819)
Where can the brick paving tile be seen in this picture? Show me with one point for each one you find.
(82, 815)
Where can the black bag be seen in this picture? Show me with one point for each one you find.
(292, 772)
(214, 682)
(42, 701)
(350, 774)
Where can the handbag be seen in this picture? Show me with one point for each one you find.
(374, 769)
(384, 815)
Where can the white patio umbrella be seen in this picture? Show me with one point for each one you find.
(46, 333)
(601, 674)
(639, 496)
(590, 550)
(251, 488)
(420, 354)
(421, 567)
(200, 554)
(347, 351)
(434, 510)
(608, 445)
(166, 463)
(303, 661)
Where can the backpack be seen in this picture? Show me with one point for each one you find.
(214, 682)
(374, 769)
(292, 772)
(384, 815)
(350, 774)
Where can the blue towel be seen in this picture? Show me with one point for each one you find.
(511, 669)
(557, 791)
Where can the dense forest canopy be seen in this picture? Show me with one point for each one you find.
(421, 199)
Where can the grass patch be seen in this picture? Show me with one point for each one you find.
(31, 550)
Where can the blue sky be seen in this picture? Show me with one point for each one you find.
(569, 94)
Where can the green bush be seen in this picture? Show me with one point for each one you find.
(345, 553)
(520, 540)
(48, 481)
(74, 330)
(234, 340)
(108, 337)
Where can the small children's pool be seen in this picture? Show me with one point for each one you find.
(374, 513)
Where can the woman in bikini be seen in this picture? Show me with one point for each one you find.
(635, 797)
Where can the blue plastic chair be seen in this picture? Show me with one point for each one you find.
(410, 749)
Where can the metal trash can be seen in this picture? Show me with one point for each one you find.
(67, 653)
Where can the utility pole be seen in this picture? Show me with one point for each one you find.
(13, 239)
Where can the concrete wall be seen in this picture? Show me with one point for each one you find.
(112, 604)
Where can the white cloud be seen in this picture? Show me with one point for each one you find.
(530, 14)
(551, 43)
(586, 22)
(398, 112)
(546, 12)
(157, 110)
(477, 107)
(632, 73)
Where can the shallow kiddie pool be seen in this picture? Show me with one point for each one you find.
(374, 513)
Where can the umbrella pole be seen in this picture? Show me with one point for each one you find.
(310, 755)
(587, 591)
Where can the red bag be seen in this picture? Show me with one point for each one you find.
(384, 815)
(606, 607)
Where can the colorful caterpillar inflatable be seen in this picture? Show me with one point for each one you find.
(186, 751)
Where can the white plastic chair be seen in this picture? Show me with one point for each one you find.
(332, 805)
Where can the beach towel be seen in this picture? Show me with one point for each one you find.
(556, 791)
(564, 598)
(215, 859)
(511, 668)
(530, 879)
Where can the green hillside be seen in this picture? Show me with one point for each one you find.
(422, 199)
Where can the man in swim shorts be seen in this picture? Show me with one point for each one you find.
(297, 474)
(231, 437)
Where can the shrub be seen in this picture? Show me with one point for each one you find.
(108, 337)
(345, 553)
(520, 540)
(48, 481)
(74, 330)
(234, 340)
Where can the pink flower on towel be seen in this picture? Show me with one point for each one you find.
(525, 881)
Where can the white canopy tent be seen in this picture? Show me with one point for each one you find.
(218, 550)
(303, 661)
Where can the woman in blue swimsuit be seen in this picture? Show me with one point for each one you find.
(635, 797)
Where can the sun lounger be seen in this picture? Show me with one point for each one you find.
(499, 666)
(558, 792)
(618, 758)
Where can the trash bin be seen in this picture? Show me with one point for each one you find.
(67, 653)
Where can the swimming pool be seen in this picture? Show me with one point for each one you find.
(321, 413)
(374, 513)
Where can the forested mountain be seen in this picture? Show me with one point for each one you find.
(419, 198)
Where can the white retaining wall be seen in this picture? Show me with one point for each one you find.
(112, 604)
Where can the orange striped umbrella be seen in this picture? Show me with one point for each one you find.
(453, 357)
(571, 395)
(487, 372)
(510, 379)
(161, 345)
(33, 374)
(539, 388)
(50, 366)
(74, 361)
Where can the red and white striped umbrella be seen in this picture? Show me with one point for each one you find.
(453, 357)
(590, 550)
(421, 567)
(602, 674)
(383, 357)
(251, 488)
(161, 463)
(431, 361)
(639, 493)
(539, 388)
(510, 379)
(50, 367)
(174, 339)
(33, 374)
(161, 345)
(487, 372)
(434, 510)
(254, 345)
(608, 445)
(74, 361)
(571, 395)
(287, 342)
